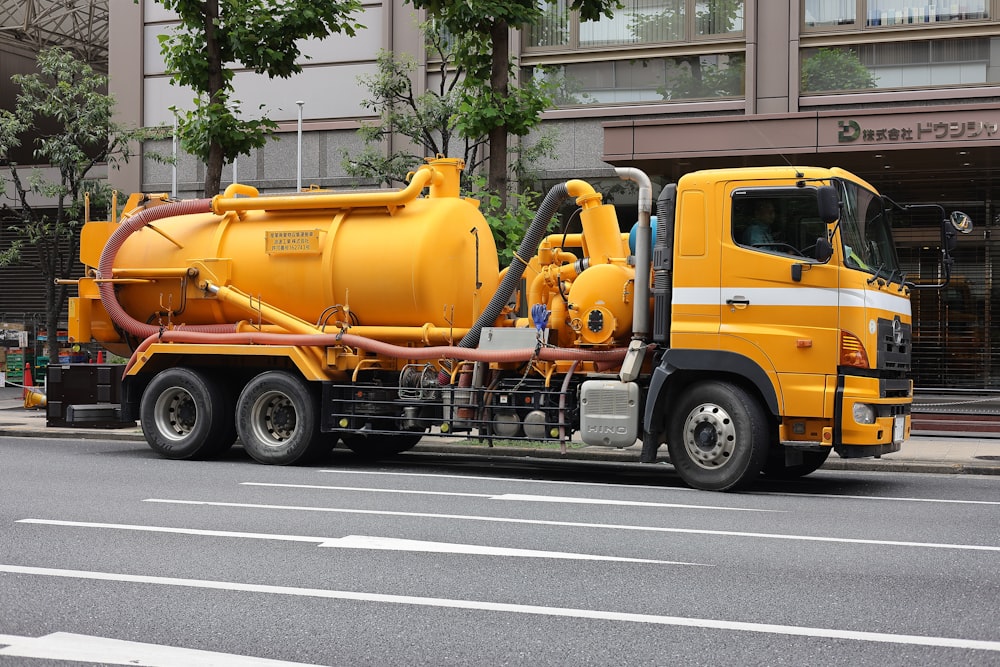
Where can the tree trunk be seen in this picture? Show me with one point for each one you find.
(52, 311)
(499, 83)
(216, 82)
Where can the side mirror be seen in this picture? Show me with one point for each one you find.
(823, 250)
(828, 203)
(961, 223)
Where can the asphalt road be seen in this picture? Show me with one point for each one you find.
(111, 555)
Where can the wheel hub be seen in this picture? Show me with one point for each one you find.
(274, 418)
(176, 414)
(709, 436)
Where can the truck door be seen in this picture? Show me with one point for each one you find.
(786, 321)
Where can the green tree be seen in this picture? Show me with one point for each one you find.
(259, 35)
(490, 105)
(65, 107)
(831, 68)
(429, 122)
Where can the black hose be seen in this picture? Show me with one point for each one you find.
(529, 246)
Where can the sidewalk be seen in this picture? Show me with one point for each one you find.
(924, 452)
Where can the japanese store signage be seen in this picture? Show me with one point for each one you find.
(849, 131)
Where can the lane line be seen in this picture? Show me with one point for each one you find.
(896, 498)
(366, 542)
(509, 479)
(574, 524)
(660, 488)
(505, 607)
(509, 496)
(84, 648)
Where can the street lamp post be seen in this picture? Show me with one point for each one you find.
(298, 175)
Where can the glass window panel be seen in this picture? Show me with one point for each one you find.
(718, 17)
(943, 62)
(830, 12)
(553, 28)
(902, 12)
(646, 80)
(637, 22)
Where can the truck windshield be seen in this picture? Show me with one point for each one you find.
(866, 233)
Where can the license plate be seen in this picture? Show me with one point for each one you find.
(898, 428)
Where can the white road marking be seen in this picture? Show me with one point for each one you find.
(573, 524)
(396, 544)
(83, 648)
(503, 607)
(509, 496)
(511, 479)
(365, 542)
(896, 498)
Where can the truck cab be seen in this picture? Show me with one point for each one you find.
(811, 322)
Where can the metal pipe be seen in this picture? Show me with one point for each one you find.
(424, 176)
(643, 251)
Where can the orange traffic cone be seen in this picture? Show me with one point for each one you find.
(33, 398)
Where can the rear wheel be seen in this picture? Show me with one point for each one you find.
(277, 417)
(185, 414)
(718, 437)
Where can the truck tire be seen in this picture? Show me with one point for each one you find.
(775, 467)
(718, 437)
(277, 417)
(185, 415)
(375, 447)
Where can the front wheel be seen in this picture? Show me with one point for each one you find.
(277, 417)
(718, 437)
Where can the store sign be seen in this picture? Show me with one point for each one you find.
(849, 131)
(12, 338)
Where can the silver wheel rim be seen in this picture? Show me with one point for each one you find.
(273, 419)
(175, 414)
(709, 436)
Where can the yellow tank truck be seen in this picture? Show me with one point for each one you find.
(379, 318)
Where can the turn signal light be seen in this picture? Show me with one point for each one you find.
(852, 351)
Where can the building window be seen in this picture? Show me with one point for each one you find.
(826, 14)
(680, 78)
(900, 65)
(637, 22)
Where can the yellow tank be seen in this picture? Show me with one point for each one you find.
(427, 260)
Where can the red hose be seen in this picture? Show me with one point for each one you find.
(105, 267)
(388, 349)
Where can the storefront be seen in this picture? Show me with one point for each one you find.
(944, 155)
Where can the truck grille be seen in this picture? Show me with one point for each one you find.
(894, 344)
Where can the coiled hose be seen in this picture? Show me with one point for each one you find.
(105, 267)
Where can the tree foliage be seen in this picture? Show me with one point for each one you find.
(491, 105)
(427, 119)
(831, 69)
(66, 109)
(259, 35)
(430, 122)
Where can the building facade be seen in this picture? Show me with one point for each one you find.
(905, 93)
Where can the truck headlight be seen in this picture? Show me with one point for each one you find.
(864, 413)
